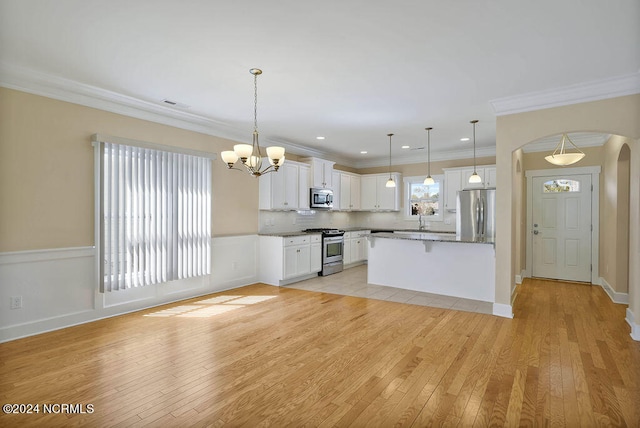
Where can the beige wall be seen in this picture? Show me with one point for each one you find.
(46, 172)
(519, 208)
(617, 116)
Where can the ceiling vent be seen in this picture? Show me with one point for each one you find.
(174, 103)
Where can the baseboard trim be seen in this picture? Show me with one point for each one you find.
(501, 310)
(514, 294)
(32, 328)
(635, 328)
(620, 298)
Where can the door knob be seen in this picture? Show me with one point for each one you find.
(535, 232)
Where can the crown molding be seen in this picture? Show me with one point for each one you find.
(439, 156)
(594, 90)
(59, 88)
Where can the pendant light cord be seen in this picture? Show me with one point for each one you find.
(474, 145)
(390, 135)
(429, 151)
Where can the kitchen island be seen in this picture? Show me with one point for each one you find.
(438, 263)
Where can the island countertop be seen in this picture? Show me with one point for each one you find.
(431, 236)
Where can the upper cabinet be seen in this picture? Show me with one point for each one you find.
(456, 179)
(303, 186)
(336, 190)
(376, 196)
(321, 172)
(286, 189)
(349, 186)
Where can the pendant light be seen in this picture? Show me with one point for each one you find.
(429, 180)
(475, 178)
(563, 158)
(250, 154)
(390, 182)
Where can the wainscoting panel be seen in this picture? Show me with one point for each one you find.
(58, 287)
(235, 261)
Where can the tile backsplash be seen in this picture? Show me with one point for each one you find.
(293, 221)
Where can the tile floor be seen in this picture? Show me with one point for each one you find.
(353, 282)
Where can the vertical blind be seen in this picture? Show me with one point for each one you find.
(155, 215)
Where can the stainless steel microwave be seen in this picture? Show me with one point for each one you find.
(321, 198)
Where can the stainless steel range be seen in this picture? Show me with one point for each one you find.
(332, 250)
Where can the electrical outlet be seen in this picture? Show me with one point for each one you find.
(16, 302)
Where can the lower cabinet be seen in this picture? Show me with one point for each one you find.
(355, 246)
(297, 261)
(284, 260)
(316, 254)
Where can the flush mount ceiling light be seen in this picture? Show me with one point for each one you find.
(405, 147)
(464, 139)
(319, 138)
(390, 182)
(250, 154)
(563, 158)
(429, 180)
(475, 178)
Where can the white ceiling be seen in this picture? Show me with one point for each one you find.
(349, 70)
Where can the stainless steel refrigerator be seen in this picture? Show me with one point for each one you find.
(475, 214)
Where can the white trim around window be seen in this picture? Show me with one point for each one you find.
(439, 215)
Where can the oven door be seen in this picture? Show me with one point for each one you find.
(333, 249)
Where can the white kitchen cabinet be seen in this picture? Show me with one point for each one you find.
(490, 176)
(282, 190)
(321, 172)
(376, 196)
(355, 247)
(303, 186)
(336, 190)
(284, 260)
(316, 253)
(297, 260)
(452, 183)
(349, 186)
(346, 249)
(456, 179)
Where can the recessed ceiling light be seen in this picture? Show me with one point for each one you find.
(406, 147)
(364, 152)
(319, 138)
(464, 139)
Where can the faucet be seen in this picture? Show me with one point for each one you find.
(420, 225)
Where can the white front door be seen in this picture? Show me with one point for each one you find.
(561, 227)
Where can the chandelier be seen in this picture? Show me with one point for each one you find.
(563, 158)
(250, 154)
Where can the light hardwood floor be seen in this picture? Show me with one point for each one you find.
(268, 356)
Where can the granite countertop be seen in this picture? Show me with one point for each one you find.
(432, 236)
(289, 234)
(353, 229)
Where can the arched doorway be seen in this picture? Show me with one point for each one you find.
(513, 131)
(622, 220)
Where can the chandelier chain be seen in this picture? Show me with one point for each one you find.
(255, 103)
